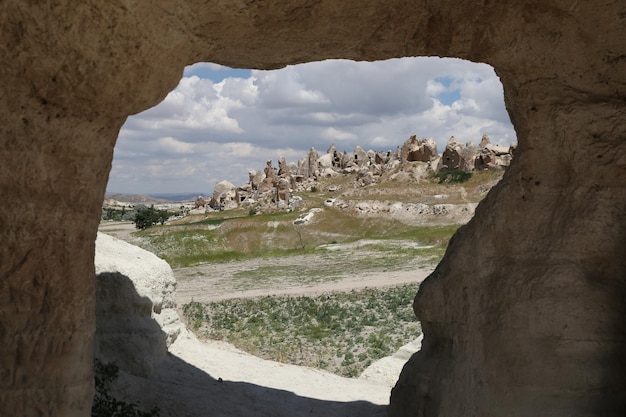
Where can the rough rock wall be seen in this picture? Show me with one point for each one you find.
(525, 311)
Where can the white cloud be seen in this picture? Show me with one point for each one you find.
(206, 131)
(172, 145)
(381, 142)
(333, 134)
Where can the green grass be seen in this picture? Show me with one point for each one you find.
(340, 332)
(251, 237)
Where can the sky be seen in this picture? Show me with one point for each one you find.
(219, 123)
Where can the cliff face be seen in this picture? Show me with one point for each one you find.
(524, 316)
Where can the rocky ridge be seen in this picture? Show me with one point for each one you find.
(276, 185)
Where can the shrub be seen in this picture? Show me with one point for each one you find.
(340, 332)
(452, 176)
(147, 217)
(104, 405)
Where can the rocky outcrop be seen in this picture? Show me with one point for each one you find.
(525, 314)
(492, 156)
(136, 317)
(272, 189)
(199, 202)
(224, 195)
(413, 149)
(457, 156)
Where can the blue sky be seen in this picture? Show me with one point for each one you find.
(219, 123)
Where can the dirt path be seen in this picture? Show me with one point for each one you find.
(214, 282)
(286, 276)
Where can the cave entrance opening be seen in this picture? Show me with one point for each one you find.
(329, 281)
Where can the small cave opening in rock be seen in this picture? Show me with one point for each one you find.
(304, 206)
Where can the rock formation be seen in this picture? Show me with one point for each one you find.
(308, 164)
(491, 156)
(271, 187)
(413, 149)
(136, 317)
(524, 315)
(224, 195)
(200, 202)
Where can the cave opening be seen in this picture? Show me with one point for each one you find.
(219, 122)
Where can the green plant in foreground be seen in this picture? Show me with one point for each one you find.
(104, 405)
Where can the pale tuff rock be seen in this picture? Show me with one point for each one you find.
(136, 311)
(409, 213)
(424, 150)
(360, 157)
(224, 195)
(275, 186)
(325, 161)
(388, 368)
(304, 219)
(525, 313)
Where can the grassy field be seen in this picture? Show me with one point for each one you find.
(237, 235)
(340, 332)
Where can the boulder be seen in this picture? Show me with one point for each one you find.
(225, 194)
(136, 317)
(364, 177)
(491, 156)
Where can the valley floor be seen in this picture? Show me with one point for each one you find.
(209, 378)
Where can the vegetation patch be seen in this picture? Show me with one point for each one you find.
(452, 176)
(104, 404)
(340, 332)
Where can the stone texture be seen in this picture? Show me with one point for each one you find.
(457, 156)
(413, 149)
(525, 314)
(136, 317)
(152, 278)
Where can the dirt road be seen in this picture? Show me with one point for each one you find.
(294, 275)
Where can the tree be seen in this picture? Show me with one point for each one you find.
(146, 217)
(149, 216)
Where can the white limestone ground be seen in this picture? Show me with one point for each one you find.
(216, 379)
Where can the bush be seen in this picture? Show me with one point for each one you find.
(104, 405)
(452, 176)
(147, 217)
(339, 332)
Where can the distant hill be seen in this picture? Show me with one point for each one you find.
(180, 196)
(150, 199)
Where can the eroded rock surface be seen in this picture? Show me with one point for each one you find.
(136, 318)
(524, 316)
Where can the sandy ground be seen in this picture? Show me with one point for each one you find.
(216, 379)
(213, 282)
